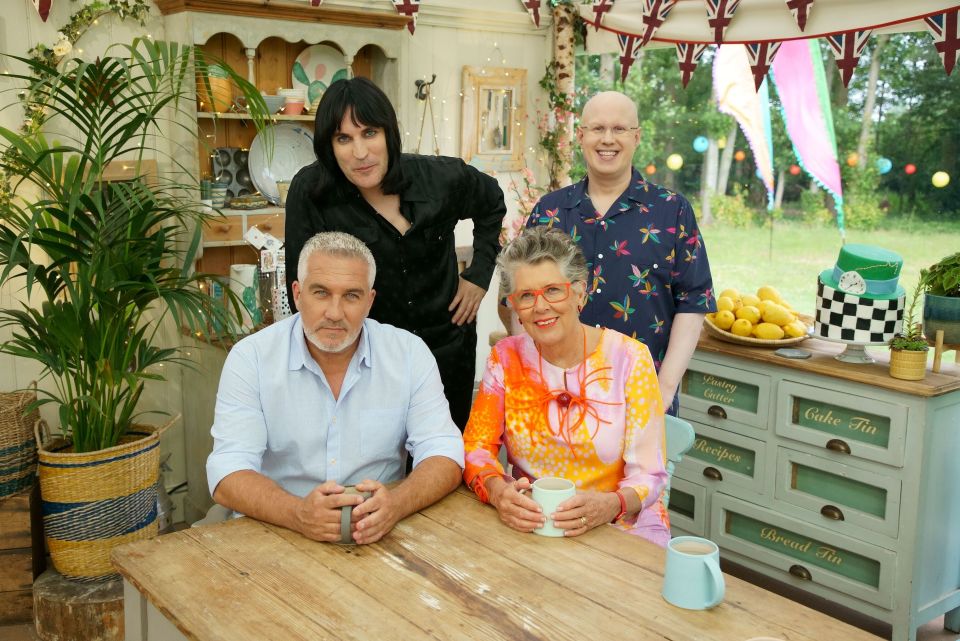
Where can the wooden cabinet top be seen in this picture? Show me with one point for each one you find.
(822, 362)
(287, 11)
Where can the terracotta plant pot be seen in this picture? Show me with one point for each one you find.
(220, 97)
(908, 365)
(942, 312)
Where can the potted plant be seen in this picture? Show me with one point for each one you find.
(108, 264)
(941, 302)
(908, 349)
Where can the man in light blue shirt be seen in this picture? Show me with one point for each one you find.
(328, 398)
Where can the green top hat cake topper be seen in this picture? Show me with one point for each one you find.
(866, 271)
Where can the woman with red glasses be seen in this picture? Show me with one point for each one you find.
(567, 400)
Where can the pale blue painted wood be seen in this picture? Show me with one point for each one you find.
(679, 438)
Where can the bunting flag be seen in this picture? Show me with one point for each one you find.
(946, 37)
(629, 48)
(761, 56)
(847, 48)
(316, 3)
(600, 7)
(733, 86)
(43, 8)
(801, 11)
(688, 56)
(411, 9)
(654, 14)
(805, 103)
(719, 15)
(533, 8)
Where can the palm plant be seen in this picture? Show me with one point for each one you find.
(115, 259)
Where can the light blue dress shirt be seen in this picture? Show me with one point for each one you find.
(276, 414)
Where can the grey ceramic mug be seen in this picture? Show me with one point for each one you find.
(346, 513)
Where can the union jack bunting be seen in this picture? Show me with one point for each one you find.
(629, 48)
(761, 56)
(946, 37)
(43, 8)
(409, 8)
(654, 13)
(533, 8)
(688, 56)
(801, 11)
(316, 3)
(847, 48)
(600, 7)
(719, 15)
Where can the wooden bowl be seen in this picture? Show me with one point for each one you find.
(724, 335)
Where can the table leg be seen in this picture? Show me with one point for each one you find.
(951, 620)
(134, 614)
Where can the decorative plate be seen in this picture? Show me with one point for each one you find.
(292, 149)
(724, 335)
(316, 68)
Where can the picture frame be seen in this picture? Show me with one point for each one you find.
(493, 115)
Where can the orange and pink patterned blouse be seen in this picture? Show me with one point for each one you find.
(619, 444)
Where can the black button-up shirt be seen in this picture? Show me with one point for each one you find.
(416, 272)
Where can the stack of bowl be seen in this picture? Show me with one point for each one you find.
(274, 103)
(294, 101)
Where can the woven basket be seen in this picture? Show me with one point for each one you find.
(95, 501)
(18, 447)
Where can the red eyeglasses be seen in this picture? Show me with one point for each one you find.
(552, 293)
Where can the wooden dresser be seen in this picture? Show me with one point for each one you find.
(831, 477)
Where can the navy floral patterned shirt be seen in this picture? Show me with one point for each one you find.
(646, 258)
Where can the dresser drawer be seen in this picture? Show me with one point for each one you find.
(720, 393)
(804, 552)
(725, 461)
(272, 224)
(688, 507)
(842, 423)
(841, 497)
(223, 229)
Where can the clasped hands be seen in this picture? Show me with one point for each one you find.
(574, 516)
(318, 513)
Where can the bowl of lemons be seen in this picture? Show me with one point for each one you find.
(763, 319)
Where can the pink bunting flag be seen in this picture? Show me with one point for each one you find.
(533, 9)
(629, 48)
(409, 8)
(946, 37)
(688, 56)
(801, 11)
(655, 12)
(719, 15)
(847, 49)
(600, 7)
(43, 8)
(760, 55)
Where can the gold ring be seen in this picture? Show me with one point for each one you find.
(583, 521)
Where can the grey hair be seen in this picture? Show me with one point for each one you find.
(336, 243)
(539, 244)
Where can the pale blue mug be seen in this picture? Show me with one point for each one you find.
(692, 578)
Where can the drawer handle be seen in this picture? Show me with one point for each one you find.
(832, 512)
(800, 572)
(266, 226)
(223, 229)
(717, 411)
(837, 445)
(712, 473)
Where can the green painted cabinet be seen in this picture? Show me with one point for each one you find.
(828, 476)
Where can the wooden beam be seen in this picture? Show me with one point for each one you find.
(279, 10)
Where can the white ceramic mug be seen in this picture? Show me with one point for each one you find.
(549, 492)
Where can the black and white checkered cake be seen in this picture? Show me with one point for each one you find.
(853, 319)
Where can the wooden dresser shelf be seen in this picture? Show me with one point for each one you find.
(274, 10)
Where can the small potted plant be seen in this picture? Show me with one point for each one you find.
(941, 302)
(908, 349)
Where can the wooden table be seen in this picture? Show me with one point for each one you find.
(452, 571)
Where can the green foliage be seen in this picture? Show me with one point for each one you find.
(862, 202)
(734, 210)
(942, 278)
(813, 208)
(911, 337)
(111, 261)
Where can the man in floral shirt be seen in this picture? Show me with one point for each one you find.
(650, 278)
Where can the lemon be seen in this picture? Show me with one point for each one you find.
(765, 305)
(731, 293)
(796, 329)
(768, 331)
(724, 319)
(725, 303)
(750, 313)
(778, 315)
(749, 300)
(711, 316)
(769, 293)
(741, 327)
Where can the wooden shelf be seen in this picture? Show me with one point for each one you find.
(277, 9)
(208, 115)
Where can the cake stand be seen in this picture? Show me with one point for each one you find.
(854, 353)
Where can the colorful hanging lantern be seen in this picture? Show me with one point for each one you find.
(910, 169)
(739, 156)
(940, 179)
(701, 144)
(794, 170)
(884, 165)
(852, 159)
(674, 161)
(650, 169)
